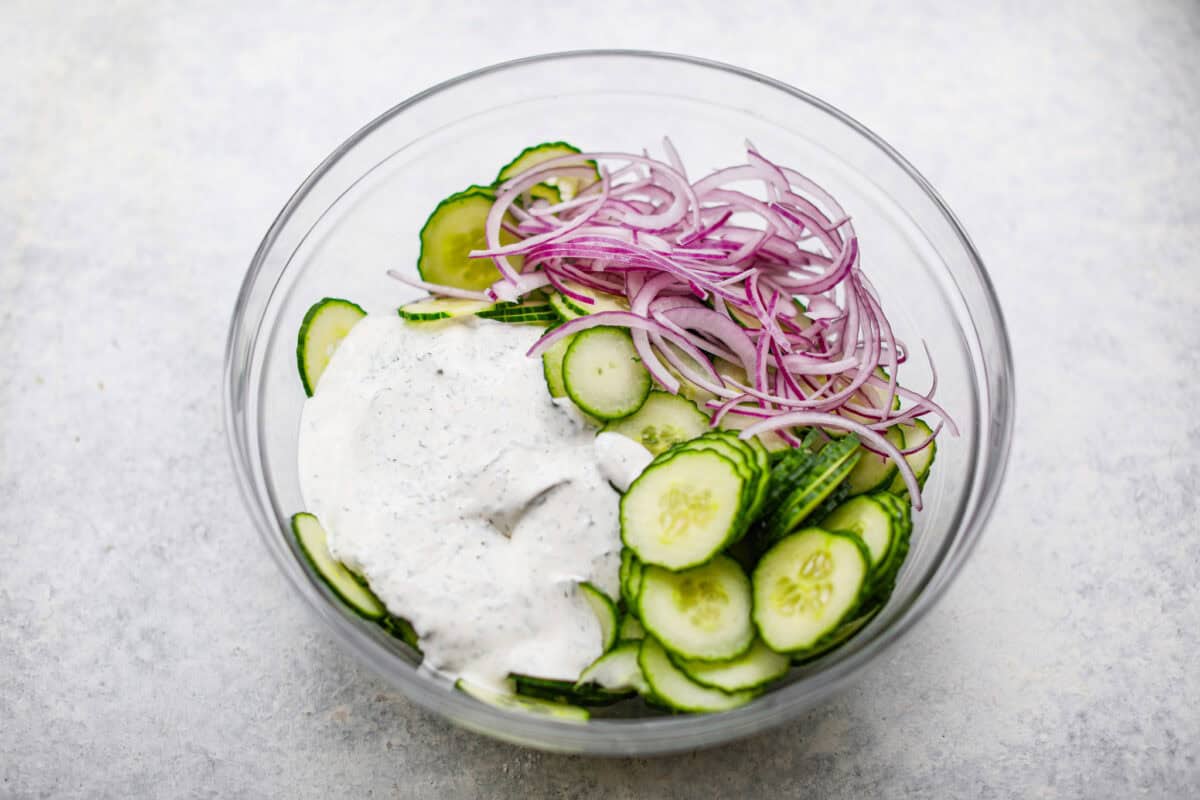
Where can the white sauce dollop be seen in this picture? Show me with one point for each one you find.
(444, 474)
(621, 458)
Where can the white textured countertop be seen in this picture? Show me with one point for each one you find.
(149, 648)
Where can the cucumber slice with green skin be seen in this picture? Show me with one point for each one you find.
(673, 688)
(325, 325)
(830, 468)
(402, 629)
(530, 312)
(786, 473)
(869, 520)
(632, 583)
(754, 669)
(681, 512)
(600, 300)
(432, 309)
(745, 462)
(564, 311)
(663, 420)
(603, 374)
(616, 671)
(701, 613)
(921, 461)
(898, 507)
(565, 187)
(552, 367)
(527, 705)
(606, 614)
(883, 576)
(312, 540)
(567, 692)
(843, 634)
(630, 630)
(874, 472)
(455, 228)
(806, 586)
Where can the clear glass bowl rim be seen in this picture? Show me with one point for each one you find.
(642, 736)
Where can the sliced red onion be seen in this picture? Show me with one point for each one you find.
(644, 233)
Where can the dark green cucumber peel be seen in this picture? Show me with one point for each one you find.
(828, 470)
(567, 692)
(302, 336)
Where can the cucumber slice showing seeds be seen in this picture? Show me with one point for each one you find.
(806, 586)
(701, 613)
(663, 420)
(681, 512)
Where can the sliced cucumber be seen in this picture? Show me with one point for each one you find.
(616, 671)
(754, 669)
(455, 228)
(630, 630)
(701, 613)
(631, 582)
(402, 629)
(606, 614)
(432, 309)
(884, 574)
(828, 470)
(843, 634)
(536, 312)
(899, 507)
(874, 472)
(325, 325)
(922, 460)
(565, 312)
(663, 420)
(565, 187)
(806, 586)
(674, 689)
(681, 512)
(552, 367)
(312, 540)
(868, 519)
(599, 300)
(528, 705)
(745, 458)
(603, 374)
(568, 692)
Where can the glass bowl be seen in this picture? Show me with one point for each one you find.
(359, 214)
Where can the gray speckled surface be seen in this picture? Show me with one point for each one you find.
(148, 648)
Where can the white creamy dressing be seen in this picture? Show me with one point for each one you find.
(473, 506)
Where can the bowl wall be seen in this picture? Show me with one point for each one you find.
(359, 215)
